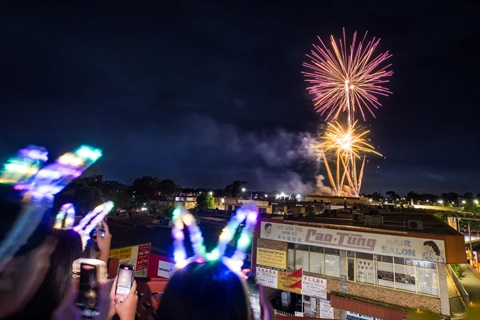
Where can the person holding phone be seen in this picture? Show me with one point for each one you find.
(108, 304)
(103, 240)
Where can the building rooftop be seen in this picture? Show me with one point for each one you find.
(413, 221)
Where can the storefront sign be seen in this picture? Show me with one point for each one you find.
(290, 281)
(267, 277)
(389, 245)
(326, 310)
(314, 287)
(272, 258)
(357, 316)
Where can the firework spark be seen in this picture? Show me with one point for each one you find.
(348, 79)
(346, 142)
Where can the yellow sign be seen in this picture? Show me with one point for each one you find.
(289, 281)
(121, 253)
(272, 258)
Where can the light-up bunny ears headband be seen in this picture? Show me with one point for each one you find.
(66, 217)
(182, 218)
(38, 185)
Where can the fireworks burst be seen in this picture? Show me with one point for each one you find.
(348, 79)
(346, 142)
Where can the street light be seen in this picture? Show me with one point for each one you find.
(251, 195)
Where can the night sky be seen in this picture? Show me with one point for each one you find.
(205, 93)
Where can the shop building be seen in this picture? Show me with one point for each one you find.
(327, 267)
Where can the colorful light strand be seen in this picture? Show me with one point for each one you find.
(91, 219)
(21, 168)
(182, 218)
(38, 190)
(65, 217)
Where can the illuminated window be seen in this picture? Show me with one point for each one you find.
(393, 272)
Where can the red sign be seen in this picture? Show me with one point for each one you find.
(142, 258)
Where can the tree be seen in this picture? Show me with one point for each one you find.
(116, 192)
(143, 189)
(205, 201)
(238, 186)
(392, 195)
(83, 195)
(167, 187)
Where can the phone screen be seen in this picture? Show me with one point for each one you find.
(254, 296)
(88, 290)
(124, 282)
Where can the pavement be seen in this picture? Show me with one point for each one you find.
(471, 282)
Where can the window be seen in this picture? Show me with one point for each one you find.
(332, 261)
(393, 272)
(301, 257)
(313, 259)
(317, 259)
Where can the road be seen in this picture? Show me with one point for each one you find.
(140, 229)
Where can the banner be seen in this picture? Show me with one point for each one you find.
(290, 281)
(399, 246)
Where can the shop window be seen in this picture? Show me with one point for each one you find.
(301, 258)
(385, 259)
(427, 281)
(290, 256)
(351, 269)
(317, 261)
(404, 277)
(393, 272)
(332, 262)
(385, 275)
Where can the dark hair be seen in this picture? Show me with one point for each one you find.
(205, 291)
(433, 245)
(267, 225)
(58, 280)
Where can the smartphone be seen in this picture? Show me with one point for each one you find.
(254, 296)
(125, 279)
(93, 233)
(90, 274)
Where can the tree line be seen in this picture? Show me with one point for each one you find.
(88, 192)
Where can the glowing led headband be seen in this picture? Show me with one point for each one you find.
(65, 217)
(182, 217)
(91, 219)
(24, 165)
(38, 187)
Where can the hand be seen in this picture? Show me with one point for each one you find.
(126, 306)
(104, 242)
(22, 277)
(68, 310)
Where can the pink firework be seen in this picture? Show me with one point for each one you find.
(349, 79)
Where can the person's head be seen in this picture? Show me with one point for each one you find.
(21, 273)
(207, 290)
(268, 227)
(58, 279)
(432, 246)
